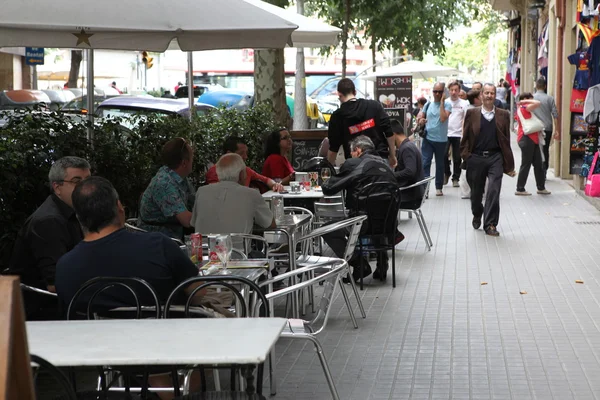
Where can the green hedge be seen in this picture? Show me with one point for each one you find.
(31, 141)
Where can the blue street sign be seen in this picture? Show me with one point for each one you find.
(34, 55)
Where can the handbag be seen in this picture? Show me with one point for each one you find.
(421, 130)
(530, 125)
(592, 183)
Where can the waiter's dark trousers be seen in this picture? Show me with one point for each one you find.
(478, 169)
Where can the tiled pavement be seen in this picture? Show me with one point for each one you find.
(441, 334)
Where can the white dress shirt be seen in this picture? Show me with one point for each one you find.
(489, 115)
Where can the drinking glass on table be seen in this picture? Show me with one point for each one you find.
(223, 248)
(325, 174)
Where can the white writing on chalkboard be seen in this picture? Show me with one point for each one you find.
(303, 151)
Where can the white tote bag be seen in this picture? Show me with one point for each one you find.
(530, 125)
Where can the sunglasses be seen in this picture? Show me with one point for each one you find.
(437, 91)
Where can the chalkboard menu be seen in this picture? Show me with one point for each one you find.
(306, 146)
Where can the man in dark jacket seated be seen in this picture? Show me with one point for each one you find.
(409, 169)
(363, 168)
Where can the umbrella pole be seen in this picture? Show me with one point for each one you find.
(190, 83)
(90, 94)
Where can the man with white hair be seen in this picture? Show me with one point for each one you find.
(228, 206)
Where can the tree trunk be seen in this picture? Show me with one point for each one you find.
(345, 32)
(373, 51)
(76, 57)
(300, 118)
(269, 83)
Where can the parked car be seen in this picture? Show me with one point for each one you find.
(199, 90)
(126, 106)
(26, 98)
(243, 100)
(59, 98)
(79, 104)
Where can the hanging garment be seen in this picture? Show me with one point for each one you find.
(582, 75)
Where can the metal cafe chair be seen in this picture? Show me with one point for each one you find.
(380, 202)
(417, 211)
(82, 305)
(308, 330)
(352, 226)
(230, 283)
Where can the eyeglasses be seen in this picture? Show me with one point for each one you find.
(74, 181)
(437, 91)
(286, 137)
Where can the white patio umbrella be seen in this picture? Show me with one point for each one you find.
(417, 69)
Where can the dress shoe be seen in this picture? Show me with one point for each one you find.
(492, 231)
(476, 222)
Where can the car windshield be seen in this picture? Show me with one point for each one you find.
(118, 112)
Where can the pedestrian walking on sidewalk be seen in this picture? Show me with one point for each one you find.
(547, 113)
(485, 147)
(531, 149)
(435, 116)
(455, 130)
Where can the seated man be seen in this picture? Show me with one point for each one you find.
(108, 249)
(51, 231)
(365, 167)
(167, 201)
(234, 144)
(409, 169)
(228, 206)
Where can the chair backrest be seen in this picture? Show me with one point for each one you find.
(380, 202)
(425, 182)
(253, 243)
(133, 228)
(46, 367)
(202, 282)
(306, 227)
(117, 289)
(354, 224)
(330, 279)
(329, 211)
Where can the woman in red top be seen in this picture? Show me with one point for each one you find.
(531, 153)
(277, 147)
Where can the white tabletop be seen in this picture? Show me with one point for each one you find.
(219, 341)
(311, 194)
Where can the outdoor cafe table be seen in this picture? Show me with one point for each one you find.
(119, 342)
(291, 224)
(303, 194)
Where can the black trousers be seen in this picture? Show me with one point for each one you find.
(548, 135)
(454, 144)
(480, 168)
(530, 155)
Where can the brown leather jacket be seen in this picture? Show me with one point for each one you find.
(471, 129)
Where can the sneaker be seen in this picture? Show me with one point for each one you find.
(522, 193)
(455, 183)
(439, 192)
(543, 191)
(492, 231)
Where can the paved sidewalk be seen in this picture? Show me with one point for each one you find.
(441, 334)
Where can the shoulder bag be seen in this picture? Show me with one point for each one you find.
(592, 183)
(530, 125)
(421, 130)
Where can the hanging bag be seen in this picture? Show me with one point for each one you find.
(592, 183)
(421, 130)
(530, 125)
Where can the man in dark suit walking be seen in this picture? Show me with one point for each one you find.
(485, 147)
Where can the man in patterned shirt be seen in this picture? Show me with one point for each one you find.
(167, 201)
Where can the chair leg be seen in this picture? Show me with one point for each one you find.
(420, 222)
(394, 267)
(272, 383)
(347, 300)
(426, 234)
(362, 267)
(325, 366)
(358, 299)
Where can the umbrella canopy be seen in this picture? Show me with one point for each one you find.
(418, 70)
(310, 32)
(142, 24)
